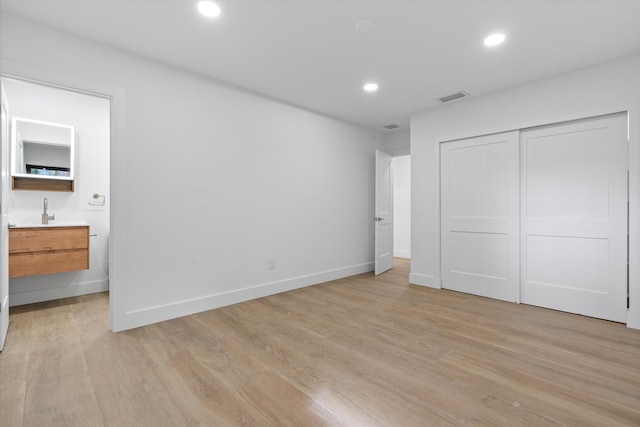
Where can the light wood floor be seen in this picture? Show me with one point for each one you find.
(362, 351)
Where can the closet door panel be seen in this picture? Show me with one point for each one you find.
(574, 217)
(479, 217)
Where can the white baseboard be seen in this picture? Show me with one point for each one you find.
(149, 315)
(402, 254)
(633, 319)
(58, 292)
(425, 280)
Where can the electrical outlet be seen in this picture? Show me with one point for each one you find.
(272, 263)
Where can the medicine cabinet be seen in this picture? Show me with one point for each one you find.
(42, 155)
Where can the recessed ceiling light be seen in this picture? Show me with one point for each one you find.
(364, 26)
(370, 87)
(209, 9)
(494, 39)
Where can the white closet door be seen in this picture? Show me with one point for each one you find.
(480, 215)
(574, 217)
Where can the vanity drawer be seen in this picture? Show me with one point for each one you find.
(23, 240)
(33, 264)
(45, 250)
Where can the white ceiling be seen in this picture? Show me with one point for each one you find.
(309, 54)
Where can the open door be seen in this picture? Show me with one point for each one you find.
(4, 221)
(384, 213)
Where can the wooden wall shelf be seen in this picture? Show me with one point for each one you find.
(42, 184)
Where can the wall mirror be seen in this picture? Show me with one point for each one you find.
(42, 155)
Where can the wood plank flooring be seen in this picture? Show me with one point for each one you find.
(362, 351)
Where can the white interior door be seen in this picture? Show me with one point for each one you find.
(480, 215)
(4, 222)
(384, 214)
(574, 217)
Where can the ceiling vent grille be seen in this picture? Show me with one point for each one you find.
(453, 96)
(392, 126)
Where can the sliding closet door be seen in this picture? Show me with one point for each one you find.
(480, 215)
(574, 217)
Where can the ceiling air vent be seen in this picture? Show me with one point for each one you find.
(392, 126)
(453, 96)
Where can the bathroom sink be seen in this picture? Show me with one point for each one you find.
(60, 224)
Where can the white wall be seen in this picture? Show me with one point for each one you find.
(401, 169)
(606, 88)
(90, 116)
(397, 142)
(209, 182)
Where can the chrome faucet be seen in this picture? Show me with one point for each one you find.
(45, 217)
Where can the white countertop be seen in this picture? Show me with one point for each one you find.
(50, 225)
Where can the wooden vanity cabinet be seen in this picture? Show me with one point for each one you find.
(45, 250)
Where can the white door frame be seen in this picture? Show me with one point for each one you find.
(118, 180)
(4, 223)
(633, 111)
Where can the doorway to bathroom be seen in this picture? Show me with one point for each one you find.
(89, 201)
